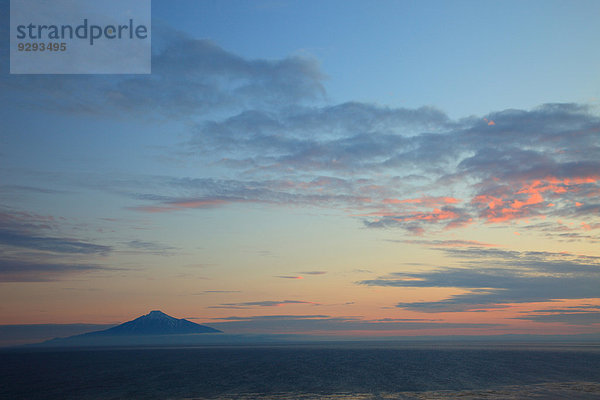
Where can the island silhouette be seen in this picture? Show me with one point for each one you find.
(154, 328)
(155, 323)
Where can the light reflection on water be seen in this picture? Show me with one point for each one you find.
(557, 390)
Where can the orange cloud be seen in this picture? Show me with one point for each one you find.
(524, 202)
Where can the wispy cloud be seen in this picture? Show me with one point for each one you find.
(141, 246)
(19, 270)
(189, 77)
(584, 308)
(584, 314)
(222, 291)
(495, 277)
(267, 303)
(447, 243)
(17, 189)
(534, 164)
(29, 253)
(325, 323)
(182, 204)
(19, 221)
(570, 318)
(27, 230)
(57, 245)
(415, 222)
(345, 137)
(268, 121)
(567, 232)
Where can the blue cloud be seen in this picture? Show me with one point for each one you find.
(29, 254)
(493, 277)
(53, 244)
(27, 230)
(357, 156)
(190, 77)
(38, 270)
(578, 318)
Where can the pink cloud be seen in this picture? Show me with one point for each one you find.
(182, 205)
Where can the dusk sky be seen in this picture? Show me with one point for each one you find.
(315, 167)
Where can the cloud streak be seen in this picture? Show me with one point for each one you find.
(448, 243)
(325, 323)
(29, 254)
(493, 277)
(26, 230)
(569, 318)
(19, 270)
(266, 303)
(53, 244)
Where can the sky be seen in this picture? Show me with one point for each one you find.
(337, 168)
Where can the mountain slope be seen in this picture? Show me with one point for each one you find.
(155, 323)
(154, 328)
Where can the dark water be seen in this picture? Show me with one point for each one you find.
(302, 372)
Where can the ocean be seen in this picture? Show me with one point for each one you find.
(305, 371)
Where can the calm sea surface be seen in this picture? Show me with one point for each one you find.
(305, 372)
